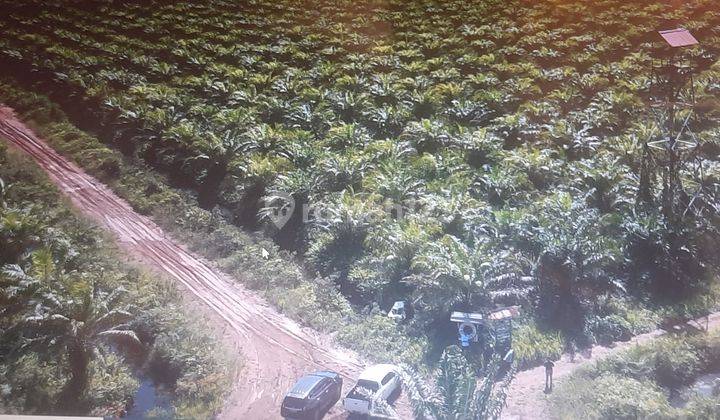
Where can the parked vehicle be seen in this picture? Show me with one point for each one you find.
(375, 383)
(397, 311)
(312, 396)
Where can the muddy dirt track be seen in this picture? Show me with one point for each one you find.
(275, 349)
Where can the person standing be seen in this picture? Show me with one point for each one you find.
(549, 365)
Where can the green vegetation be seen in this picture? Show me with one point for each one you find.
(638, 383)
(455, 392)
(317, 303)
(532, 346)
(511, 135)
(76, 326)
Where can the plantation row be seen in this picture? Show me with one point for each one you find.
(516, 128)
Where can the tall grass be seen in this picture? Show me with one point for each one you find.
(532, 346)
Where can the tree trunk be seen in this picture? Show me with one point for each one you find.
(70, 401)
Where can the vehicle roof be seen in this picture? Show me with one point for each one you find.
(304, 386)
(376, 373)
(326, 374)
(307, 383)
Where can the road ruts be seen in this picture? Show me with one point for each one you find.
(275, 350)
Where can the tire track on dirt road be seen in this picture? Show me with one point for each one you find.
(276, 350)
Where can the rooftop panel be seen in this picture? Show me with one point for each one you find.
(679, 37)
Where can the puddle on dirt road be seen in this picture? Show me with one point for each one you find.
(148, 399)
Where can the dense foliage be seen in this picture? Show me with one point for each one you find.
(252, 259)
(455, 393)
(510, 134)
(640, 382)
(76, 328)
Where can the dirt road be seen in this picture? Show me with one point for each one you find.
(276, 350)
(526, 397)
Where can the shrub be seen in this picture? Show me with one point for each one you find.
(380, 338)
(626, 317)
(666, 364)
(188, 359)
(112, 384)
(319, 310)
(703, 408)
(610, 397)
(609, 329)
(532, 346)
(636, 363)
(29, 385)
(676, 362)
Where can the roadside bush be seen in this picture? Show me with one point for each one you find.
(195, 367)
(636, 363)
(30, 385)
(613, 385)
(676, 362)
(31, 380)
(610, 397)
(185, 355)
(625, 315)
(380, 338)
(712, 349)
(112, 384)
(532, 346)
(671, 361)
(319, 310)
(103, 163)
(702, 408)
(609, 329)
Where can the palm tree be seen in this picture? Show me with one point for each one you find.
(447, 272)
(393, 180)
(387, 120)
(455, 393)
(16, 288)
(349, 105)
(339, 228)
(224, 153)
(426, 135)
(578, 256)
(345, 136)
(70, 317)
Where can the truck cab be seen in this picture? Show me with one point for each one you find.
(375, 383)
